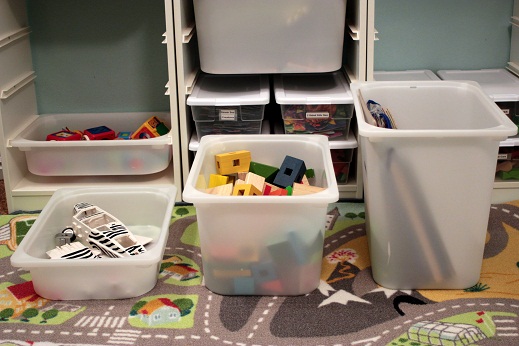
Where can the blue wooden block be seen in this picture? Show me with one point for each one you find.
(291, 170)
(244, 286)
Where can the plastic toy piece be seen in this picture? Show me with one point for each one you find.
(221, 190)
(266, 171)
(100, 230)
(74, 250)
(302, 189)
(233, 162)
(124, 135)
(151, 128)
(246, 190)
(217, 180)
(64, 135)
(99, 133)
(291, 170)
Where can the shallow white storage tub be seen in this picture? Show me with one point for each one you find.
(100, 157)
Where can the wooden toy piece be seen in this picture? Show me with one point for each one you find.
(256, 180)
(217, 180)
(152, 127)
(302, 189)
(221, 190)
(233, 162)
(241, 175)
(239, 181)
(64, 135)
(266, 171)
(231, 273)
(291, 170)
(269, 188)
(305, 181)
(279, 192)
(244, 286)
(264, 271)
(245, 190)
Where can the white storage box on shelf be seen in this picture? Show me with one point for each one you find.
(428, 183)
(229, 104)
(315, 103)
(270, 36)
(146, 211)
(94, 157)
(406, 75)
(499, 84)
(262, 245)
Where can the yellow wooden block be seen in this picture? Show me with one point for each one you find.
(217, 180)
(302, 189)
(245, 190)
(257, 180)
(233, 162)
(221, 190)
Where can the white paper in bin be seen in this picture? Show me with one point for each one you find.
(428, 183)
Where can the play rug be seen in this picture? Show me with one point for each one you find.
(347, 309)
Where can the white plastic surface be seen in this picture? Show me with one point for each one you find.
(499, 84)
(101, 157)
(312, 89)
(428, 184)
(407, 75)
(237, 90)
(240, 232)
(145, 211)
(270, 36)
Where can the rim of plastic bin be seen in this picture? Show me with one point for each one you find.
(20, 258)
(503, 130)
(329, 195)
(297, 89)
(230, 90)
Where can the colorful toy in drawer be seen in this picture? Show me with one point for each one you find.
(65, 135)
(152, 127)
(99, 133)
(332, 120)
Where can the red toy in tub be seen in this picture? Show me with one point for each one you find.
(99, 133)
(65, 135)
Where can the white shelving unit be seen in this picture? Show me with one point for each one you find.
(19, 107)
(356, 63)
(435, 43)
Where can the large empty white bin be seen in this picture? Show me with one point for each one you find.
(428, 183)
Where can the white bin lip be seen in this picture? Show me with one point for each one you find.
(329, 195)
(20, 258)
(500, 132)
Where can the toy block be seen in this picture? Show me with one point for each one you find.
(152, 127)
(279, 192)
(239, 182)
(245, 190)
(266, 171)
(221, 190)
(99, 133)
(304, 181)
(256, 180)
(264, 272)
(244, 286)
(289, 190)
(269, 188)
(310, 173)
(233, 162)
(273, 287)
(217, 180)
(291, 170)
(241, 175)
(124, 135)
(302, 189)
(65, 135)
(231, 273)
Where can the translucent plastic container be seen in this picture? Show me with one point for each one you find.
(229, 104)
(146, 211)
(406, 75)
(270, 36)
(319, 103)
(428, 183)
(262, 245)
(95, 157)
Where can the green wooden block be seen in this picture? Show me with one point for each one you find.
(310, 173)
(266, 171)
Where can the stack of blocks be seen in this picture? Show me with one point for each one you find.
(238, 175)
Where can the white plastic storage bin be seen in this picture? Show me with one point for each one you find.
(94, 157)
(262, 245)
(229, 104)
(315, 103)
(428, 183)
(501, 85)
(270, 36)
(407, 75)
(145, 210)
